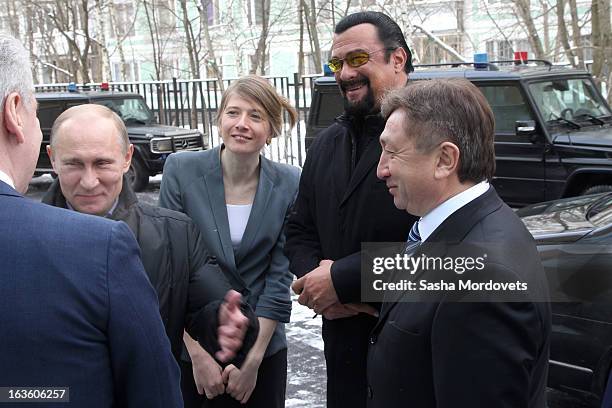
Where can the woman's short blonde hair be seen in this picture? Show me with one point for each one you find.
(260, 91)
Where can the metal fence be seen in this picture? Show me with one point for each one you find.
(193, 103)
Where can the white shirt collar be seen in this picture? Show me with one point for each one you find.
(432, 220)
(7, 179)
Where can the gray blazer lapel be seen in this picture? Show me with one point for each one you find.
(265, 187)
(215, 192)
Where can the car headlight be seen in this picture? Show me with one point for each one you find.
(162, 146)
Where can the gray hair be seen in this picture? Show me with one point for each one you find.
(15, 70)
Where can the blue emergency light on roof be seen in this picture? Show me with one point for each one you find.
(72, 87)
(481, 60)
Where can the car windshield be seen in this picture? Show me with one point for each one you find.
(600, 212)
(567, 101)
(129, 109)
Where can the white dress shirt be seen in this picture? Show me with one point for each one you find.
(432, 220)
(5, 177)
(238, 217)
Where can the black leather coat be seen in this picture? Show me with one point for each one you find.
(189, 284)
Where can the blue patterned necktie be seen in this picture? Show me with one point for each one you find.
(414, 239)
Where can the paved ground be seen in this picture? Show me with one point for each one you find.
(306, 372)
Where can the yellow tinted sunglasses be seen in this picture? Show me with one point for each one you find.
(353, 59)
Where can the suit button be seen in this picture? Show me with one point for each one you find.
(370, 393)
(373, 340)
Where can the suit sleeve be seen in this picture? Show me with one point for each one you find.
(275, 300)
(483, 353)
(303, 247)
(145, 373)
(170, 190)
(346, 277)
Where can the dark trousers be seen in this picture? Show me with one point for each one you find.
(269, 391)
(346, 350)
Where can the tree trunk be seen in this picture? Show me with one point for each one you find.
(100, 19)
(576, 37)
(211, 59)
(122, 60)
(523, 8)
(259, 59)
(563, 35)
(315, 37)
(301, 41)
(154, 35)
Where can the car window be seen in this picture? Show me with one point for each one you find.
(508, 106)
(48, 111)
(568, 98)
(129, 109)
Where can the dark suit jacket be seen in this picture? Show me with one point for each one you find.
(607, 398)
(337, 209)
(443, 353)
(77, 310)
(193, 184)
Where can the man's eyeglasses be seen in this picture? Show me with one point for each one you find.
(353, 59)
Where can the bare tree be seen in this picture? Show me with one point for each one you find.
(258, 61)
(101, 33)
(602, 42)
(210, 57)
(71, 19)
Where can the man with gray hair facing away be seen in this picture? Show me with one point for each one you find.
(79, 318)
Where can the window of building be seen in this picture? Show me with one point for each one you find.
(212, 11)
(166, 16)
(124, 18)
(132, 72)
(256, 10)
(500, 50)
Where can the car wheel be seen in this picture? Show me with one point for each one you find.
(137, 175)
(600, 188)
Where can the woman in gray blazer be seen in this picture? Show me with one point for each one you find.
(240, 201)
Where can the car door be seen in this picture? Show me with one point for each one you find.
(520, 171)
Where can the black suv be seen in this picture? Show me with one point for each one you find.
(152, 142)
(553, 132)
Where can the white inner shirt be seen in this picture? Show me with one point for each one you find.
(238, 216)
(432, 220)
(5, 177)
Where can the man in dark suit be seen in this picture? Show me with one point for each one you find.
(76, 308)
(341, 203)
(459, 348)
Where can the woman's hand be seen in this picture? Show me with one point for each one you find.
(207, 375)
(241, 381)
